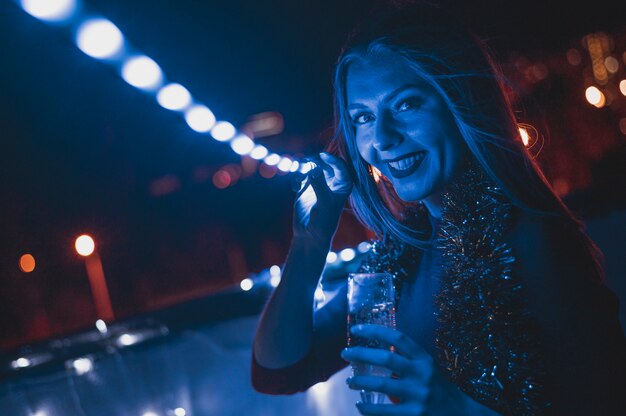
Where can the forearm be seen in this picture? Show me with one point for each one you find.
(284, 333)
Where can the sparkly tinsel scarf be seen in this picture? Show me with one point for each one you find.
(488, 343)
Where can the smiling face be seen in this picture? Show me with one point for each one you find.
(403, 127)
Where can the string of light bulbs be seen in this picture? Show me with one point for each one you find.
(101, 39)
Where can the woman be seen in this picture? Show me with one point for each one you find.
(501, 305)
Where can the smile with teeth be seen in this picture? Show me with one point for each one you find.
(406, 162)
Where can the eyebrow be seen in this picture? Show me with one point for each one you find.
(388, 97)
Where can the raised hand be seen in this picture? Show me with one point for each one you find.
(412, 366)
(321, 198)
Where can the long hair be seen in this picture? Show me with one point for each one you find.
(459, 66)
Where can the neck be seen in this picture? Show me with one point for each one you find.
(433, 205)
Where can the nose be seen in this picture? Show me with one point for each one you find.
(388, 133)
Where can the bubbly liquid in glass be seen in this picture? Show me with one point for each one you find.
(381, 314)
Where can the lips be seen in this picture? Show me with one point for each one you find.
(405, 165)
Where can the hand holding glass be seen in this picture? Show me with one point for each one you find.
(371, 300)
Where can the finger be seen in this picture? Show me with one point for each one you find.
(403, 344)
(405, 391)
(340, 169)
(317, 179)
(390, 409)
(375, 356)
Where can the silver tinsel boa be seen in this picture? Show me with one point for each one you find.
(488, 343)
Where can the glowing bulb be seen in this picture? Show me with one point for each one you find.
(306, 167)
(275, 270)
(21, 363)
(242, 144)
(179, 411)
(272, 159)
(200, 118)
(275, 281)
(49, 9)
(319, 294)
(363, 247)
(85, 245)
(223, 131)
(612, 64)
(524, 135)
(246, 284)
(331, 257)
(174, 97)
(82, 365)
(101, 326)
(294, 166)
(347, 254)
(142, 72)
(595, 97)
(128, 339)
(99, 38)
(284, 164)
(149, 414)
(259, 152)
(27, 263)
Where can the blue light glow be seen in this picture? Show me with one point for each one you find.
(242, 144)
(284, 164)
(347, 254)
(223, 131)
(259, 152)
(174, 97)
(99, 38)
(142, 72)
(272, 159)
(50, 10)
(200, 118)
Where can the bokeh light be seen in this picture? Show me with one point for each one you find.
(200, 118)
(222, 179)
(272, 159)
(246, 284)
(142, 72)
(595, 97)
(347, 254)
(99, 38)
(363, 247)
(85, 245)
(259, 152)
(179, 411)
(223, 131)
(524, 136)
(27, 263)
(284, 164)
(612, 64)
(622, 86)
(51, 10)
(331, 257)
(242, 144)
(174, 97)
(82, 365)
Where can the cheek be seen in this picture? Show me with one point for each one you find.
(365, 150)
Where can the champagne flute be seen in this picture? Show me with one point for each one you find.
(371, 300)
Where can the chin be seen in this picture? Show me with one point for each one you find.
(412, 195)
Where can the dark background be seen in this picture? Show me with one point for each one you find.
(82, 151)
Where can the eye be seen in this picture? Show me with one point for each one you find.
(362, 118)
(407, 104)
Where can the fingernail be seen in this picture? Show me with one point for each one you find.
(356, 328)
(324, 155)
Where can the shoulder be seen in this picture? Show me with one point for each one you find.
(544, 243)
